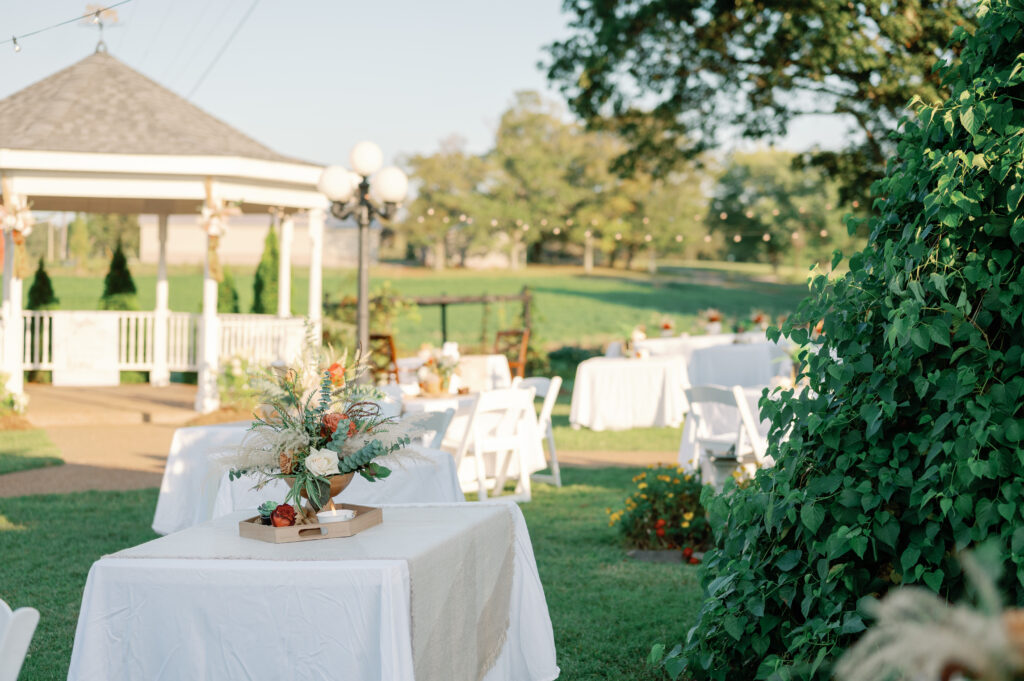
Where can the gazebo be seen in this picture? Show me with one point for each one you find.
(100, 137)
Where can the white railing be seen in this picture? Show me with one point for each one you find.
(260, 338)
(257, 338)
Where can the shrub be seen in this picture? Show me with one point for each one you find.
(227, 294)
(907, 446)
(40, 293)
(264, 284)
(664, 512)
(235, 383)
(564, 360)
(118, 287)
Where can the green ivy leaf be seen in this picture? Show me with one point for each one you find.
(812, 515)
(789, 560)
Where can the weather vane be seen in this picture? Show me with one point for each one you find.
(96, 15)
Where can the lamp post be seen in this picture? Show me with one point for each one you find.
(364, 193)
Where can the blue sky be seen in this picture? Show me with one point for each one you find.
(309, 78)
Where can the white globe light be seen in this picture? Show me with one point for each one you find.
(390, 185)
(336, 184)
(366, 158)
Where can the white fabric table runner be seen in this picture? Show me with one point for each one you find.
(205, 603)
(195, 486)
(617, 394)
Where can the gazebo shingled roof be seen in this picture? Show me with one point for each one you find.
(101, 105)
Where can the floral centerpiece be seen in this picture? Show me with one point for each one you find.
(668, 327)
(760, 319)
(435, 376)
(664, 512)
(711, 320)
(317, 439)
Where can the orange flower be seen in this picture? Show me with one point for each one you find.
(331, 421)
(337, 372)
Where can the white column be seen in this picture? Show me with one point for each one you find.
(316, 269)
(14, 327)
(284, 268)
(207, 397)
(160, 375)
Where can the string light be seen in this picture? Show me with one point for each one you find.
(698, 218)
(588, 234)
(462, 218)
(646, 220)
(618, 236)
(749, 214)
(556, 231)
(796, 235)
(766, 237)
(594, 222)
(494, 223)
(526, 228)
(707, 238)
(723, 215)
(445, 219)
(94, 15)
(801, 210)
(519, 223)
(568, 223)
(679, 238)
(775, 212)
(828, 206)
(823, 233)
(543, 222)
(856, 204)
(737, 238)
(469, 221)
(430, 211)
(647, 238)
(420, 219)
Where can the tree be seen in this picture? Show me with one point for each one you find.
(227, 294)
(118, 287)
(671, 76)
(761, 194)
(40, 293)
(264, 284)
(905, 448)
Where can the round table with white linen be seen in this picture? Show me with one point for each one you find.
(195, 487)
(618, 394)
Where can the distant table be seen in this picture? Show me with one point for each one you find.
(435, 592)
(477, 372)
(195, 488)
(618, 393)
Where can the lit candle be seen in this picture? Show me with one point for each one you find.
(336, 515)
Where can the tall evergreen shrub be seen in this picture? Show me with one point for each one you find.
(118, 286)
(264, 284)
(908, 446)
(227, 294)
(40, 293)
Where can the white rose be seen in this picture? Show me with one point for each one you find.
(322, 462)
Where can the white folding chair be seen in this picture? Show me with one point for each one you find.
(436, 422)
(495, 427)
(16, 629)
(724, 450)
(546, 388)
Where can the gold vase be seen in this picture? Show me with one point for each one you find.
(338, 484)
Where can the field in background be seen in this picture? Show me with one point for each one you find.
(571, 307)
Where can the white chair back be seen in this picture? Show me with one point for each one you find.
(436, 424)
(547, 388)
(16, 629)
(494, 428)
(738, 444)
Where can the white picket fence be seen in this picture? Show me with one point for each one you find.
(257, 338)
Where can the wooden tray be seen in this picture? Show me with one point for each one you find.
(366, 517)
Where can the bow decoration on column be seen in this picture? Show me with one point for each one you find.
(16, 218)
(214, 221)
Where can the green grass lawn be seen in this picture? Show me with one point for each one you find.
(606, 609)
(24, 449)
(634, 440)
(571, 308)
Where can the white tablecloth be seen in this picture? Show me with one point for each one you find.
(195, 489)
(477, 372)
(531, 454)
(617, 394)
(207, 604)
(748, 365)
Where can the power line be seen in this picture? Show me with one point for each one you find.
(223, 48)
(15, 38)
